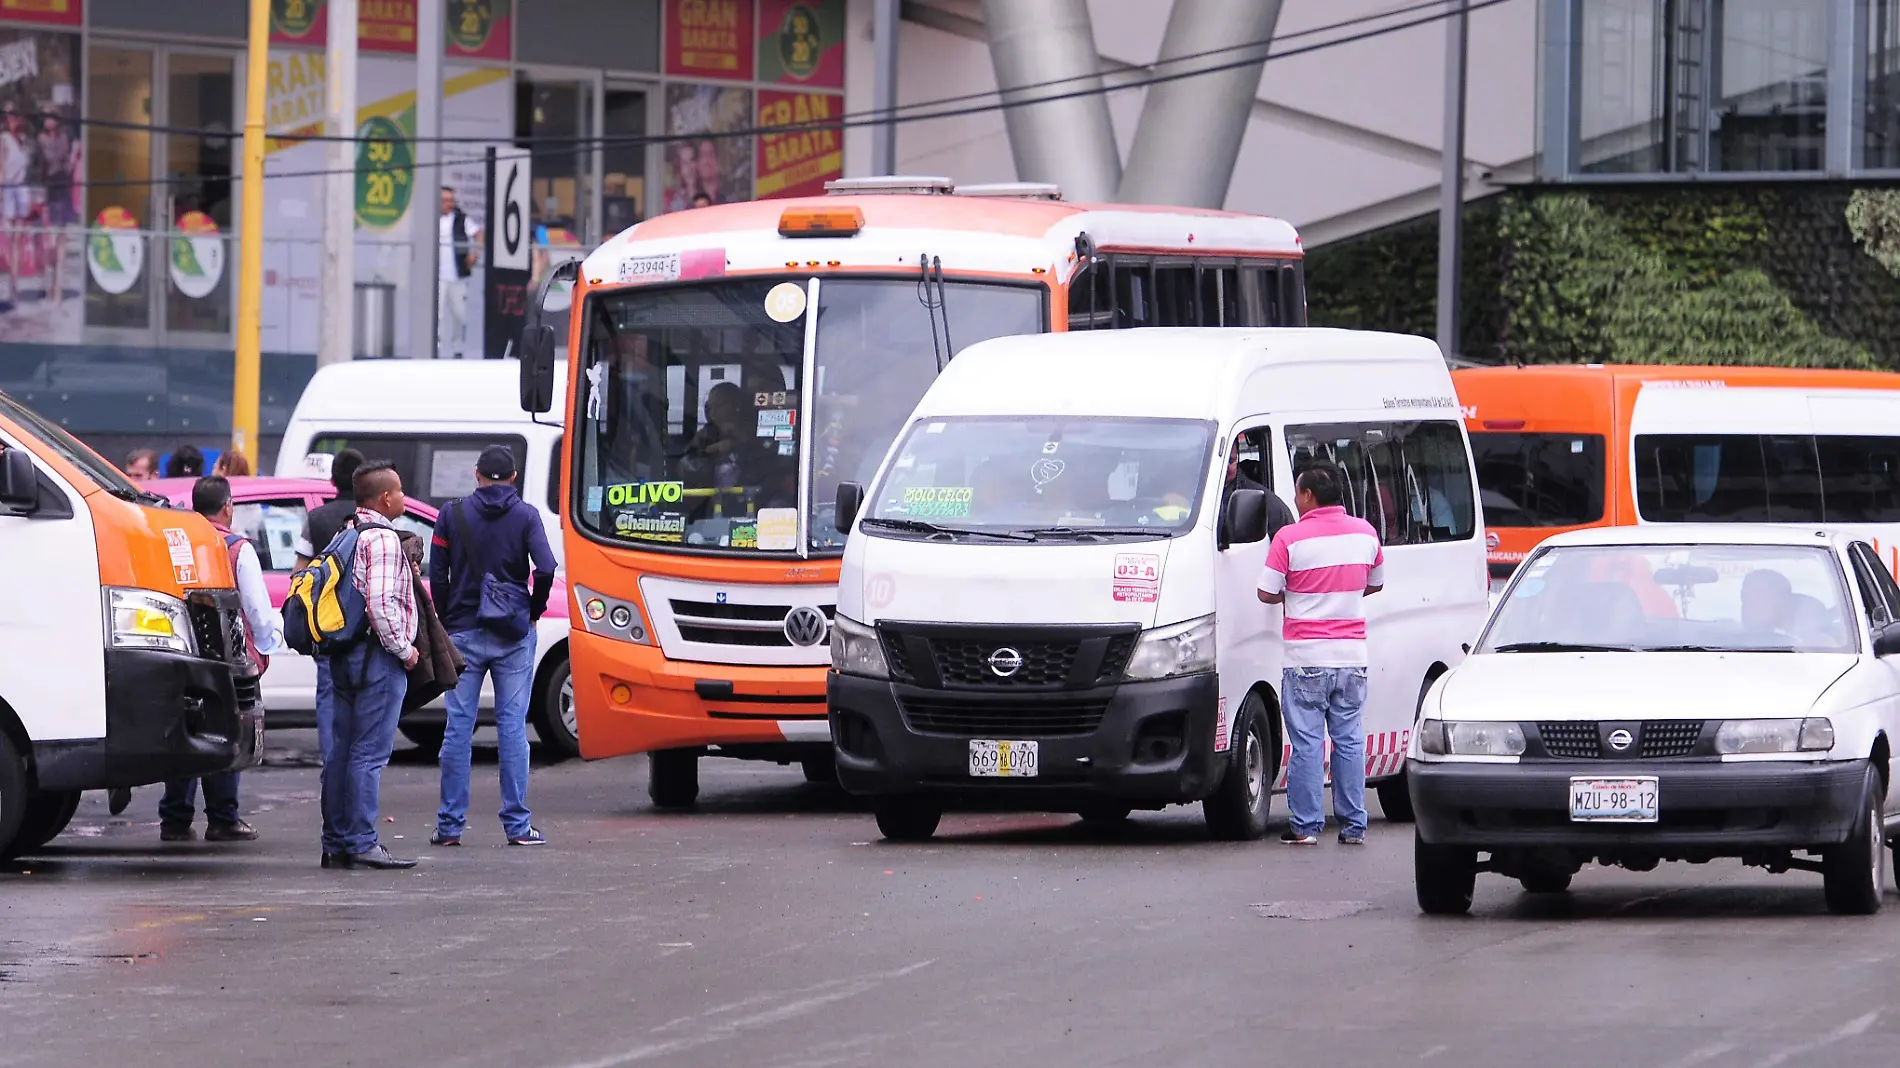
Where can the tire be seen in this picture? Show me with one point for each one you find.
(47, 814)
(15, 797)
(1853, 875)
(1545, 882)
(1395, 799)
(553, 716)
(1444, 877)
(673, 777)
(820, 770)
(1105, 813)
(1237, 810)
(427, 736)
(907, 819)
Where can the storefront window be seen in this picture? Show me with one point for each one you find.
(1881, 136)
(563, 193)
(1771, 65)
(119, 88)
(198, 296)
(1620, 120)
(624, 165)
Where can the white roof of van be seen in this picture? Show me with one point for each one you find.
(486, 391)
(1181, 373)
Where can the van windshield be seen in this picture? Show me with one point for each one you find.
(1047, 476)
(69, 449)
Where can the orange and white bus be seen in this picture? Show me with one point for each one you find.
(729, 366)
(1563, 447)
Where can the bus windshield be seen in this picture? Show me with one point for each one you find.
(691, 410)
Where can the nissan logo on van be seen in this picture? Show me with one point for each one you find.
(805, 626)
(1005, 662)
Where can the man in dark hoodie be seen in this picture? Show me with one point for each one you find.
(479, 576)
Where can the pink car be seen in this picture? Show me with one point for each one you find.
(271, 512)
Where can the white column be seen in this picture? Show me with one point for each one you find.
(1069, 142)
(336, 300)
(1846, 110)
(424, 205)
(884, 96)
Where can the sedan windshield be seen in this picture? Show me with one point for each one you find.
(1643, 598)
(1048, 476)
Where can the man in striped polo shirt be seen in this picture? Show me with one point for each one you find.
(1322, 568)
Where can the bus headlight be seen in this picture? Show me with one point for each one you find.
(855, 649)
(1179, 649)
(611, 617)
(147, 619)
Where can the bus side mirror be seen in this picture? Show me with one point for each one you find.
(537, 368)
(850, 499)
(19, 482)
(1245, 519)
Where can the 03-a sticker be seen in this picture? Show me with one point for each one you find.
(1137, 578)
(785, 302)
(1220, 726)
(639, 493)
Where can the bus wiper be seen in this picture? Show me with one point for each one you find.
(1098, 533)
(919, 526)
(932, 268)
(1561, 647)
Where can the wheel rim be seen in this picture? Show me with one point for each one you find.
(566, 699)
(1874, 846)
(1256, 768)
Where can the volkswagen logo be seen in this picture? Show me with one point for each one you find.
(805, 626)
(1620, 739)
(1005, 662)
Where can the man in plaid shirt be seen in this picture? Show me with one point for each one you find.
(360, 692)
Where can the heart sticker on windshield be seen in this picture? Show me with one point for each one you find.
(1046, 471)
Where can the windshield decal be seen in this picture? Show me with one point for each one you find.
(785, 302)
(938, 502)
(184, 565)
(774, 420)
(778, 529)
(743, 536)
(1046, 471)
(777, 399)
(643, 493)
(1137, 578)
(667, 527)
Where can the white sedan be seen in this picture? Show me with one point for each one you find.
(1655, 693)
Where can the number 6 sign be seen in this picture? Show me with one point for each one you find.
(512, 237)
(510, 251)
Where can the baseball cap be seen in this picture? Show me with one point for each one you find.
(496, 462)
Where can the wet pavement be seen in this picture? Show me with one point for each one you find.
(773, 928)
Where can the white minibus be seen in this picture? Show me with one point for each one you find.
(1048, 595)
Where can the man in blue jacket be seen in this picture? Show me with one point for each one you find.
(479, 576)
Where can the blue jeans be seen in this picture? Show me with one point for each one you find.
(359, 700)
(512, 665)
(1321, 701)
(177, 807)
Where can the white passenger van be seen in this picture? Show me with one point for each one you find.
(1048, 595)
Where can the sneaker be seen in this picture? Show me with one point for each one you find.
(445, 840)
(1293, 837)
(533, 836)
(176, 833)
(235, 831)
(1351, 839)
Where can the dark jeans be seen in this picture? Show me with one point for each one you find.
(359, 700)
(176, 809)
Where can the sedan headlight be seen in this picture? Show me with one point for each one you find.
(147, 619)
(1179, 649)
(1440, 737)
(855, 649)
(1738, 736)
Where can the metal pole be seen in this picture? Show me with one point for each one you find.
(884, 32)
(336, 287)
(244, 378)
(1451, 202)
(423, 209)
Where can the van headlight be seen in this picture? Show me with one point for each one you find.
(855, 649)
(1442, 737)
(1738, 736)
(147, 619)
(1178, 649)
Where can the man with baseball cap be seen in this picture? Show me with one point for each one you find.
(479, 568)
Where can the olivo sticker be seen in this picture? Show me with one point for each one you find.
(943, 502)
(642, 493)
(785, 302)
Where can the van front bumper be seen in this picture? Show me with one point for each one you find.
(880, 751)
(168, 716)
(1705, 808)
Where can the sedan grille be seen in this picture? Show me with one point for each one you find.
(1571, 741)
(1659, 739)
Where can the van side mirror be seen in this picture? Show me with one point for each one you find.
(1245, 518)
(1887, 640)
(850, 499)
(537, 368)
(19, 480)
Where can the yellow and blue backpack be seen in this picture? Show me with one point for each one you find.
(324, 614)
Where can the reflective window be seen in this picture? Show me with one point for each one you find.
(1620, 113)
(1117, 292)
(1540, 480)
(273, 527)
(435, 468)
(1881, 135)
(1410, 481)
(1833, 478)
(1771, 68)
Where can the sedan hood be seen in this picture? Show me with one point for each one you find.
(1594, 686)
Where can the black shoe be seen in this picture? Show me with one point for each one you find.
(377, 858)
(1293, 837)
(333, 860)
(117, 799)
(172, 832)
(235, 831)
(445, 840)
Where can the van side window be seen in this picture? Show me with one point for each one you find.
(1860, 478)
(435, 468)
(1411, 481)
(1744, 478)
(1437, 482)
(1248, 464)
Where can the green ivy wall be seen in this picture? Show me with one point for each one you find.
(1792, 275)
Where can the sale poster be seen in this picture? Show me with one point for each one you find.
(386, 26)
(801, 42)
(799, 162)
(479, 29)
(707, 170)
(298, 22)
(709, 39)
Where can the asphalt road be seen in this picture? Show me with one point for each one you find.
(773, 928)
